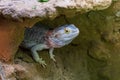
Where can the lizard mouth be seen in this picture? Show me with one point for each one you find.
(71, 36)
(76, 31)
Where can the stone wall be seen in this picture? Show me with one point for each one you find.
(15, 15)
(93, 55)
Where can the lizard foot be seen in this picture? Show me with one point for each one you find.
(42, 62)
(52, 57)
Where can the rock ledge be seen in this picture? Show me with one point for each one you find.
(18, 9)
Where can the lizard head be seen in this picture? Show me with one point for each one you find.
(65, 34)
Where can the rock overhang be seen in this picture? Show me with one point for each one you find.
(18, 9)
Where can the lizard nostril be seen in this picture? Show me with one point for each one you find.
(56, 36)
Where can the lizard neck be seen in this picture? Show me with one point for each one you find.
(52, 42)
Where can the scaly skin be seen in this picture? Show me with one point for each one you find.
(2, 72)
(40, 37)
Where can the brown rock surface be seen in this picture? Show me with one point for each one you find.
(93, 55)
(10, 33)
(17, 12)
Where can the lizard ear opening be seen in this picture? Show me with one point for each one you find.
(56, 35)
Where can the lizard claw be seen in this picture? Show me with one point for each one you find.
(53, 58)
(42, 62)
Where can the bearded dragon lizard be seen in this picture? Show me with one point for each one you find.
(40, 37)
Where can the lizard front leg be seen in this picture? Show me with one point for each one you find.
(52, 56)
(35, 55)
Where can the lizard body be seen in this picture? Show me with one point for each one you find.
(40, 37)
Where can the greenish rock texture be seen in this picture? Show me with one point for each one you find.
(93, 55)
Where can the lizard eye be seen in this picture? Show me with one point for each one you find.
(67, 31)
